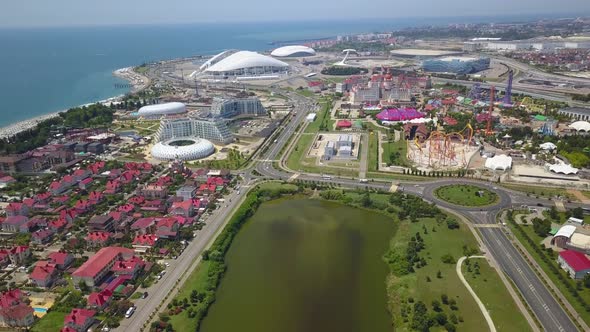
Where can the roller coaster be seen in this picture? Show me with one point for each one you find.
(442, 150)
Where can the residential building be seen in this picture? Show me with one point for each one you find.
(95, 269)
(17, 209)
(100, 300)
(228, 108)
(186, 192)
(214, 130)
(79, 319)
(44, 274)
(184, 208)
(15, 224)
(101, 223)
(19, 315)
(153, 191)
(61, 259)
(98, 239)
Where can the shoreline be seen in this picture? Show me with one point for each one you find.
(137, 82)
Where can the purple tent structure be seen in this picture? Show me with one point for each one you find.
(395, 114)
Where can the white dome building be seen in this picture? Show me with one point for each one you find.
(162, 109)
(183, 148)
(581, 126)
(564, 169)
(293, 51)
(246, 63)
(499, 163)
(548, 146)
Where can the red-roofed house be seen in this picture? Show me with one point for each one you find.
(81, 174)
(184, 208)
(95, 197)
(144, 225)
(154, 206)
(85, 184)
(343, 124)
(129, 267)
(112, 187)
(82, 206)
(6, 179)
(98, 266)
(575, 263)
(57, 225)
(99, 300)
(96, 167)
(15, 224)
(79, 319)
(167, 228)
(18, 315)
(44, 274)
(145, 241)
(16, 255)
(61, 259)
(98, 239)
(58, 187)
(17, 209)
(137, 200)
(42, 236)
(68, 215)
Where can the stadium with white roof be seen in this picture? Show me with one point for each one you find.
(293, 51)
(183, 148)
(244, 65)
(158, 110)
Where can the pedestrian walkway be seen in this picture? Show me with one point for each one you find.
(393, 188)
(293, 177)
(480, 304)
(559, 206)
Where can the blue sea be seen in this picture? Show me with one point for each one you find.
(52, 69)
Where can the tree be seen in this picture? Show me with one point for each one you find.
(444, 298)
(553, 213)
(366, 200)
(439, 274)
(587, 281)
(578, 213)
(436, 306)
(541, 227)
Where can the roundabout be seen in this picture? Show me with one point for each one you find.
(503, 199)
(183, 148)
(466, 195)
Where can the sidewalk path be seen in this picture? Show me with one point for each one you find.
(482, 307)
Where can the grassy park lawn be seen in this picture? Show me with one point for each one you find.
(424, 285)
(540, 191)
(323, 116)
(52, 322)
(304, 92)
(466, 195)
(299, 151)
(395, 153)
(196, 281)
(498, 302)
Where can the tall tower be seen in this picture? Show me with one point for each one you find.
(507, 100)
(492, 99)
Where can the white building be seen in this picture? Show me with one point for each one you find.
(190, 149)
(214, 130)
(246, 64)
(227, 108)
(157, 110)
(329, 150)
(344, 140)
(365, 94)
(500, 162)
(311, 117)
(293, 51)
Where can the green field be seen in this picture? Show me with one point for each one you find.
(396, 153)
(466, 195)
(322, 121)
(540, 191)
(504, 311)
(53, 321)
(196, 281)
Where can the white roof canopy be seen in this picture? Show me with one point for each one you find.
(245, 59)
(499, 162)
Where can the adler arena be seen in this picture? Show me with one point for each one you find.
(162, 109)
(183, 148)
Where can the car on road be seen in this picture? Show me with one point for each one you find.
(130, 311)
(144, 295)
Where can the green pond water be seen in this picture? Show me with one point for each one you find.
(305, 265)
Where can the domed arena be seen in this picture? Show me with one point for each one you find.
(162, 109)
(183, 148)
(293, 51)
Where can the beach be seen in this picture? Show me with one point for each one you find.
(137, 82)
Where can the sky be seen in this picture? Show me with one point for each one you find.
(35, 13)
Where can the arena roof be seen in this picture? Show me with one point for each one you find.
(458, 58)
(580, 126)
(293, 50)
(161, 109)
(200, 148)
(499, 162)
(567, 231)
(245, 59)
(580, 240)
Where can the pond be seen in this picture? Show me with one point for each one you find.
(305, 265)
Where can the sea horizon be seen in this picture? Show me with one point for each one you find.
(52, 69)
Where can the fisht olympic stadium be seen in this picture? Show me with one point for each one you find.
(457, 65)
(183, 148)
(243, 64)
